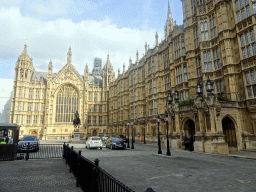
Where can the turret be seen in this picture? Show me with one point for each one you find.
(118, 71)
(169, 22)
(49, 73)
(69, 56)
(86, 72)
(123, 68)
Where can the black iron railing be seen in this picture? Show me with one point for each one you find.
(44, 151)
(89, 175)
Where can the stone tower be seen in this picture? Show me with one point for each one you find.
(169, 23)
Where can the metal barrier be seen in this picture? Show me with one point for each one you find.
(89, 175)
(45, 151)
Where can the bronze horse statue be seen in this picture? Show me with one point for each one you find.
(76, 121)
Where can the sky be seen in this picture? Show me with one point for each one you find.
(91, 27)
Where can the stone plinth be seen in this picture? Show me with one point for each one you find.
(76, 136)
(176, 143)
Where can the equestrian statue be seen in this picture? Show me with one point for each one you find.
(76, 121)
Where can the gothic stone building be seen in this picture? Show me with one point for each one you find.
(216, 42)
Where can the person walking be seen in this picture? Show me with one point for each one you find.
(186, 142)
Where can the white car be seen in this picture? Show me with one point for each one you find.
(93, 142)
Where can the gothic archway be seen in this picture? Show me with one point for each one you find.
(189, 129)
(94, 133)
(229, 132)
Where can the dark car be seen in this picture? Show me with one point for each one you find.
(123, 138)
(115, 143)
(32, 140)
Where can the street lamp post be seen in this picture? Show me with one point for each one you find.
(209, 87)
(132, 136)
(144, 135)
(159, 144)
(199, 90)
(128, 142)
(168, 153)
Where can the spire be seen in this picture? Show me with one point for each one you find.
(69, 57)
(25, 46)
(130, 61)
(156, 39)
(118, 71)
(169, 9)
(108, 56)
(146, 48)
(123, 67)
(137, 54)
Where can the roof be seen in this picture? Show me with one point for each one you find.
(39, 75)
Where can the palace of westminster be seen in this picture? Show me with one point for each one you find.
(208, 65)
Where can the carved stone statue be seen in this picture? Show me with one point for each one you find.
(76, 121)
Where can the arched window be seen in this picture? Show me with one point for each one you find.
(66, 104)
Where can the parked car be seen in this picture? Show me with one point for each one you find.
(123, 138)
(115, 143)
(32, 140)
(104, 138)
(93, 142)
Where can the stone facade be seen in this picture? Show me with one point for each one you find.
(216, 41)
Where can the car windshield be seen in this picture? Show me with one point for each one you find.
(116, 139)
(95, 138)
(28, 138)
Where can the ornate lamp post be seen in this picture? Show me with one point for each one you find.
(159, 144)
(176, 96)
(168, 153)
(144, 135)
(128, 142)
(209, 87)
(199, 90)
(132, 136)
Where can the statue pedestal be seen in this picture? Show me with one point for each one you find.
(76, 136)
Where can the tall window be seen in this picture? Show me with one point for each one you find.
(248, 45)
(42, 119)
(29, 106)
(18, 106)
(28, 119)
(216, 58)
(89, 108)
(155, 107)
(42, 107)
(66, 104)
(94, 120)
(213, 27)
(204, 30)
(89, 120)
(30, 94)
(242, 9)
(37, 94)
(19, 92)
(36, 107)
(35, 119)
(207, 61)
(95, 96)
(100, 108)
(21, 120)
(95, 108)
(198, 66)
(196, 40)
(154, 86)
(90, 96)
(100, 120)
(185, 73)
(251, 83)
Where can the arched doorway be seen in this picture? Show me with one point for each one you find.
(189, 129)
(229, 132)
(34, 133)
(94, 133)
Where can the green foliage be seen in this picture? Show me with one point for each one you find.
(186, 102)
(223, 98)
(202, 99)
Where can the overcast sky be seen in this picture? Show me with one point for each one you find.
(91, 28)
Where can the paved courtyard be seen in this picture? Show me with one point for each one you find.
(45, 175)
(142, 168)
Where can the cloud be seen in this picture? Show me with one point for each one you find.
(5, 91)
(6, 3)
(51, 40)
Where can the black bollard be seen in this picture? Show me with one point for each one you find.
(149, 190)
(27, 152)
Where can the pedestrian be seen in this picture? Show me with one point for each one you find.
(186, 142)
(191, 143)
